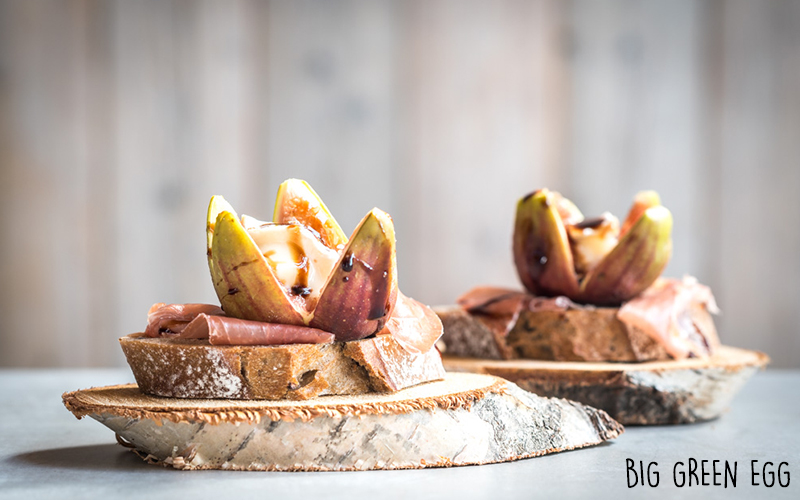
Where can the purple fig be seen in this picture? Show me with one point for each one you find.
(245, 282)
(542, 252)
(361, 292)
(634, 264)
(557, 252)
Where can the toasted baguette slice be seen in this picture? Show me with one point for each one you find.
(558, 335)
(192, 368)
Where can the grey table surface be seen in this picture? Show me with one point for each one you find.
(46, 453)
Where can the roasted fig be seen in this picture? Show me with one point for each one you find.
(557, 252)
(301, 269)
(247, 285)
(362, 289)
(217, 205)
(541, 249)
(642, 201)
(634, 264)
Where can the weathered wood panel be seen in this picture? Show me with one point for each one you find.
(119, 119)
(482, 125)
(759, 181)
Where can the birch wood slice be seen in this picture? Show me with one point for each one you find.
(655, 392)
(465, 419)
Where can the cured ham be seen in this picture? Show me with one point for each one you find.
(415, 326)
(201, 321)
(667, 312)
(222, 330)
(492, 301)
(172, 318)
(503, 302)
(496, 308)
(664, 312)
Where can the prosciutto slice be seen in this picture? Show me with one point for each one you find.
(496, 308)
(506, 303)
(492, 301)
(171, 319)
(201, 321)
(664, 312)
(414, 325)
(222, 330)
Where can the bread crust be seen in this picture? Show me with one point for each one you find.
(586, 334)
(193, 368)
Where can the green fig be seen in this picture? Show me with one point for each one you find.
(361, 292)
(542, 252)
(641, 202)
(634, 263)
(217, 205)
(244, 281)
(558, 252)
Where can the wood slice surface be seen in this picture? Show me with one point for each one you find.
(466, 419)
(654, 392)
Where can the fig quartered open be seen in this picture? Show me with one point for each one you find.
(541, 248)
(246, 283)
(301, 269)
(591, 240)
(558, 252)
(298, 203)
(362, 289)
(297, 258)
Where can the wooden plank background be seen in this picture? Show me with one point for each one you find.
(119, 119)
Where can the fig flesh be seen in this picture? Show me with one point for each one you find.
(569, 212)
(298, 203)
(591, 240)
(297, 258)
(641, 202)
(246, 284)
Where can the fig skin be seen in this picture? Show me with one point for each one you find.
(361, 292)
(245, 284)
(542, 253)
(634, 264)
(641, 202)
(217, 205)
(546, 265)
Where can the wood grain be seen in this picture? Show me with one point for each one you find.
(650, 393)
(467, 419)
